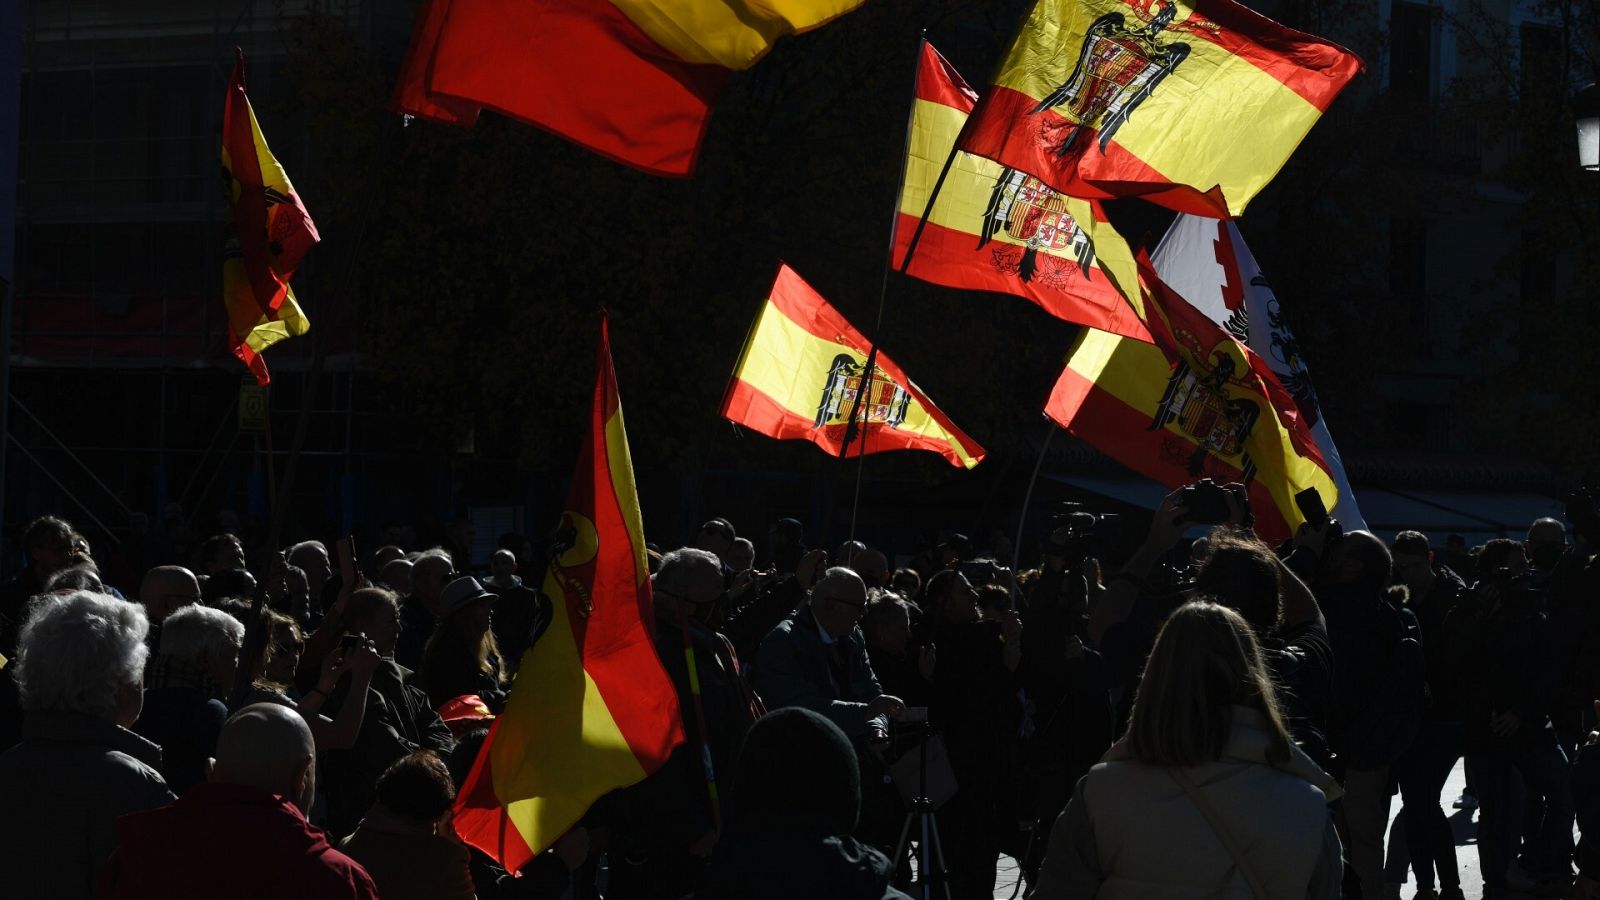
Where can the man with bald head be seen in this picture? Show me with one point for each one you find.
(164, 591)
(244, 833)
(817, 659)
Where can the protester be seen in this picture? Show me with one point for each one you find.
(228, 583)
(817, 660)
(1205, 795)
(406, 841)
(312, 558)
(165, 590)
(221, 552)
(666, 826)
(521, 614)
(975, 706)
(903, 668)
(186, 691)
(716, 537)
(397, 718)
(789, 834)
(1435, 592)
(462, 656)
(396, 576)
(1379, 684)
(1507, 674)
(80, 679)
(51, 544)
(742, 555)
(244, 833)
(420, 611)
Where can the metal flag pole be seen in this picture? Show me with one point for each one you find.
(1027, 498)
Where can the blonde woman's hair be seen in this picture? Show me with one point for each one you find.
(1205, 661)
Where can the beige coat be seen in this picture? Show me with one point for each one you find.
(1132, 833)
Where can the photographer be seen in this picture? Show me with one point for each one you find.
(1067, 683)
(1507, 673)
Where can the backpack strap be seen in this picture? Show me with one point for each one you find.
(1251, 876)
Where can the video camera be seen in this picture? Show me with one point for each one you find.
(1077, 534)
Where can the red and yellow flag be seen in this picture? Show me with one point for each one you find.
(802, 368)
(595, 710)
(1192, 104)
(1199, 404)
(633, 80)
(997, 229)
(269, 233)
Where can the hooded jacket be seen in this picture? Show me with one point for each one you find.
(1131, 832)
(795, 799)
(229, 840)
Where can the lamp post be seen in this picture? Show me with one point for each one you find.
(1586, 109)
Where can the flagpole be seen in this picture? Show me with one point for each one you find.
(883, 287)
(1027, 498)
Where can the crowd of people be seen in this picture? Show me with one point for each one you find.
(1211, 716)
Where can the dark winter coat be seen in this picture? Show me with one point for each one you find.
(61, 791)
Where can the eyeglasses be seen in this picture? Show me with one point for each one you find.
(858, 607)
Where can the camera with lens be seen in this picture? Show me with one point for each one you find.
(1205, 502)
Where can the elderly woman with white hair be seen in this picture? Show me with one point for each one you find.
(186, 691)
(80, 679)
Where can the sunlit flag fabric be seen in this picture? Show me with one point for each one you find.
(592, 708)
(1207, 263)
(801, 370)
(633, 80)
(1193, 105)
(1198, 405)
(996, 229)
(269, 233)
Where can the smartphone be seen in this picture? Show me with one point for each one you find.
(349, 642)
(913, 714)
(1310, 503)
(346, 550)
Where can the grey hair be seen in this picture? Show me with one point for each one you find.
(677, 573)
(78, 650)
(833, 578)
(200, 634)
(81, 577)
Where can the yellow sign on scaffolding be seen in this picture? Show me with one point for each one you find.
(252, 408)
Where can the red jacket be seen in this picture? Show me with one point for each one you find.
(227, 840)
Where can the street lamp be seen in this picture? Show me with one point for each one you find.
(1586, 108)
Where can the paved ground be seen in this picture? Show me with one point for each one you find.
(1461, 821)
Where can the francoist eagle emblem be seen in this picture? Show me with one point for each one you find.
(1118, 67)
(1197, 401)
(1031, 212)
(885, 402)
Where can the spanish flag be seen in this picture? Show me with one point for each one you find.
(592, 708)
(800, 373)
(1199, 404)
(268, 234)
(997, 229)
(1193, 104)
(632, 80)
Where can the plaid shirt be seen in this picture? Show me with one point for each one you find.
(173, 672)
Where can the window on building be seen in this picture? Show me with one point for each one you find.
(1408, 284)
(1413, 45)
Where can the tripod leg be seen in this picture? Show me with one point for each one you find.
(904, 844)
(936, 859)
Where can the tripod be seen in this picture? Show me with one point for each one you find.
(931, 873)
